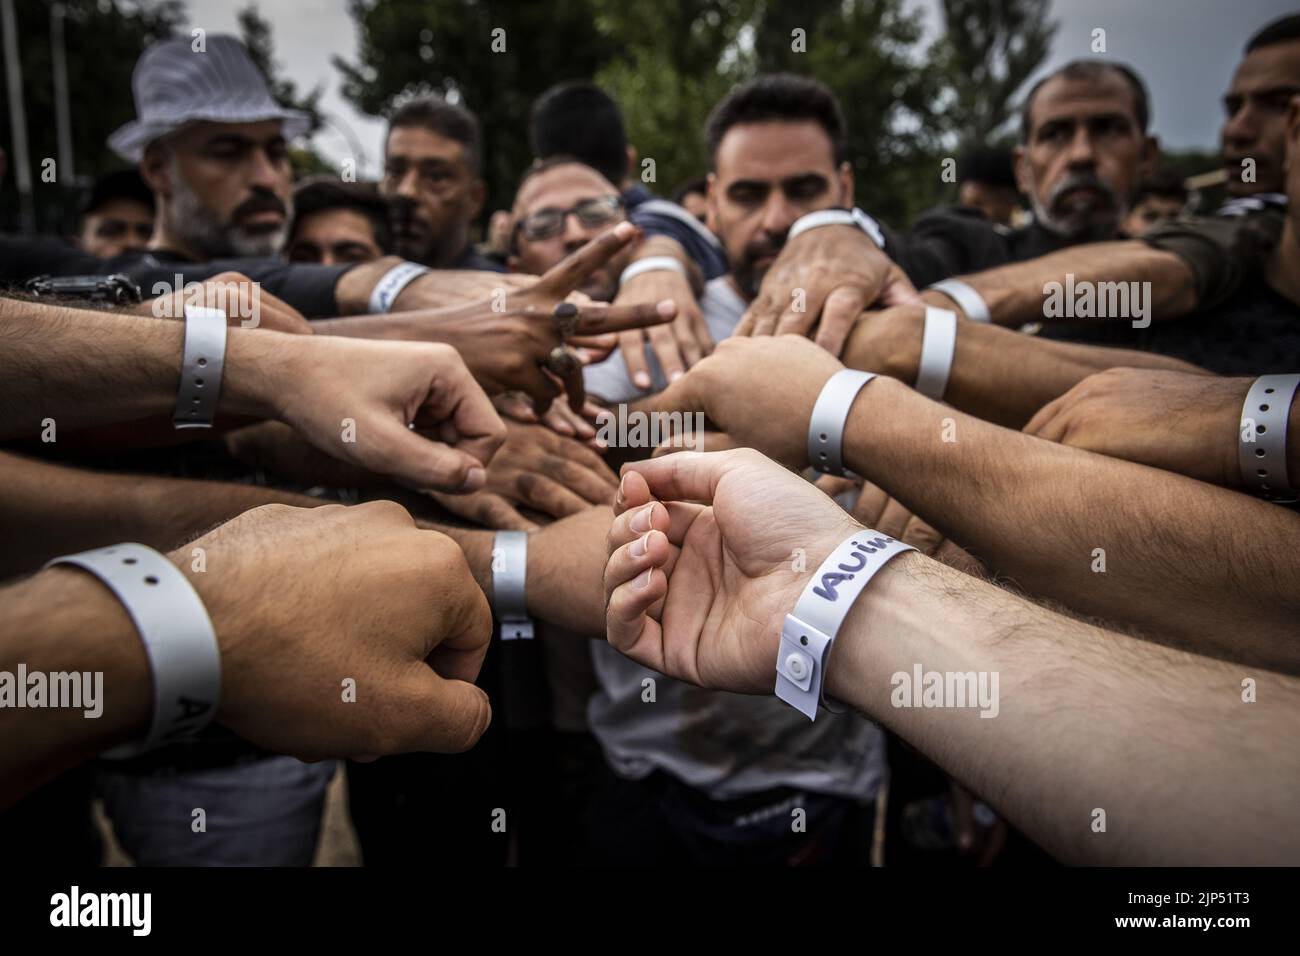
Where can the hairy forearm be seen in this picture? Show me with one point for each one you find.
(1017, 293)
(1052, 517)
(49, 510)
(63, 620)
(82, 368)
(997, 374)
(1082, 720)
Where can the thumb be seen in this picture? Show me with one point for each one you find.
(437, 715)
(421, 462)
(898, 290)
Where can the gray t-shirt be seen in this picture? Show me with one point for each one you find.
(727, 745)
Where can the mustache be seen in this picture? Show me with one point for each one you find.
(1081, 180)
(404, 214)
(763, 247)
(259, 202)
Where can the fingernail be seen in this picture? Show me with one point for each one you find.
(642, 379)
(622, 487)
(667, 308)
(641, 520)
(640, 545)
(474, 479)
(676, 375)
(624, 229)
(643, 579)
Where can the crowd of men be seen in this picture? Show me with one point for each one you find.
(391, 506)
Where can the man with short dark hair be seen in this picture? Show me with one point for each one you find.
(1254, 131)
(986, 180)
(336, 223)
(693, 196)
(432, 179)
(118, 215)
(560, 206)
(1161, 196)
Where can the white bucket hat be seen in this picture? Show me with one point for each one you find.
(175, 85)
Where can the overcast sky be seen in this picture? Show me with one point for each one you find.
(1184, 49)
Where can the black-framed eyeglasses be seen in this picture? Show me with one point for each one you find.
(592, 213)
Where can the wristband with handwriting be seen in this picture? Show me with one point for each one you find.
(202, 362)
(651, 264)
(829, 414)
(838, 217)
(1261, 448)
(938, 343)
(177, 634)
(509, 591)
(390, 286)
(971, 302)
(810, 629)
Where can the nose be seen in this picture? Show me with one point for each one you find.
(1082, 151)
(778, 214)
(407, 185)
(267, 175)
(575, 234)
(1242, 127)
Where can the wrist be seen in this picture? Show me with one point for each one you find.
(888, 343)
(260, 364)
(66, 620)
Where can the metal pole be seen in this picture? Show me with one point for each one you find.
(17, 118)
(62, 110)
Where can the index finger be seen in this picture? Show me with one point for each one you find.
(597, 318)
(571, 271)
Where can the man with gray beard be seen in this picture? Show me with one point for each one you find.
(212, 145)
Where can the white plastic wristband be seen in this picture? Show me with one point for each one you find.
(810, 629)
(971, 302)
(651, 264)
(177, 634)
(938, 343)
(830, 412)
(509, 590)
(202, 361)
(838, 217)
(388, 288)
(1263, 460)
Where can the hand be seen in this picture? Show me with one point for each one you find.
(677, 346)
(699, 591)
(302, 599)
(354, 399)
(760, 391)
(841, 272)
(244, 301)
(559, 418)
(543, 471)
(510, 341)
(1176, 421)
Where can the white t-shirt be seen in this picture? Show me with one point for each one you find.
(727, 745)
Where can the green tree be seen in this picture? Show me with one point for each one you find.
(103, 39)
(408, 47)
(989, 49)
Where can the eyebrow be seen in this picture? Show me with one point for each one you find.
(234, 139)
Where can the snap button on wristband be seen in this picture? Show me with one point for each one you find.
(202, 361)
(810, 629)
(651, 264)
(177, 634)
(838, 217)
(971, 302)
(831, 411)
(1263, 461)
(509, 591)
(388, 288)
(938, 343)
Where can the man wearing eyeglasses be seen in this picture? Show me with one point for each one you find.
(560, 206)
